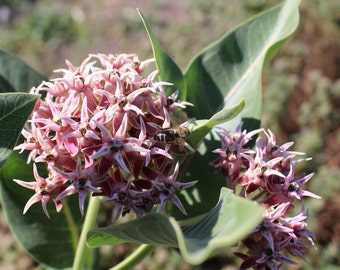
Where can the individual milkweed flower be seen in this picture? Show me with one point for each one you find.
(165, 188)
(233, 152)
(82, 181)
(95, 131)
(267, 174)
(45, 189)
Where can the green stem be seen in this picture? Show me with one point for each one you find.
(71, 223)
(137, 256)
(90, 220)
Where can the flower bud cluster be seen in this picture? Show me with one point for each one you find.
(267, 175)
(95, 129)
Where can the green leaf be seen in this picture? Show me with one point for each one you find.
(203, 127)
(15, 108)
(230, 69)
(5, 86)
(167, 68)
(16, 75)
(230, 221)
(219, 77)
(50, 241)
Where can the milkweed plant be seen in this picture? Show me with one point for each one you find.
(178, 156)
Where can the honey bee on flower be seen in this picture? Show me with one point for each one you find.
(176, 135)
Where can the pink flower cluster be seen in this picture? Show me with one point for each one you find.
(96, 130)
(267, 175)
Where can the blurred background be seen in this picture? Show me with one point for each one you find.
(301, 84)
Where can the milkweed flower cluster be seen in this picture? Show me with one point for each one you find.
(95, 129)
(267, 175)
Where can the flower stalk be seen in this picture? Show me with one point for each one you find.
(80, 258)
(134, 258)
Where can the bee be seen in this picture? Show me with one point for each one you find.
(174, 135)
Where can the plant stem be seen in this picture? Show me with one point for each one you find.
(71, 223)
(133, 259)
(90, 219)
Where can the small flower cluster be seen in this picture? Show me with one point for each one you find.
(267, 175)
(96, 130)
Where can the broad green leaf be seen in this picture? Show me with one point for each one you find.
(230, 69)
(219, 77)
(5, 86)
(15, 108)
(50, 241)
(230, 221)
(15, 75)
(167, 68)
